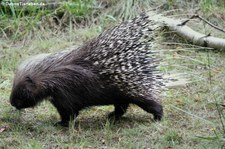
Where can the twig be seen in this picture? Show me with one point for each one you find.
(204, 20)
(209, 23)
(184, 22)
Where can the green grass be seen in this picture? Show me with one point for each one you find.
(17, 21)
(191, 113)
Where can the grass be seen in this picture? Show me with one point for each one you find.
(192, 118)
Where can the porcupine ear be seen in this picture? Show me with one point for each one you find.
(28, 79)
(30, 83)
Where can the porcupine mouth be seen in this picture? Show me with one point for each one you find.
(18, 106)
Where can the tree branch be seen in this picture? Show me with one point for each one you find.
(188, 33)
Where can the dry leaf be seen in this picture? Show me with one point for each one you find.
(2, 129)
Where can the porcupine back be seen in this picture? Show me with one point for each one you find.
(127, 55)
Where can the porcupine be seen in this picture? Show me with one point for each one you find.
(119, 67)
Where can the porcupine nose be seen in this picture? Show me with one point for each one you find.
(17, 106)
(13, 103)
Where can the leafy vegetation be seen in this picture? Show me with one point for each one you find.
(194, 114)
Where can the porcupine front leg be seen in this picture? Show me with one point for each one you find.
(151, 106)
(65, 114)
(119, 110)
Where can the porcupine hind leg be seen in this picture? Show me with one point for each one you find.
(152, 107)
(118, 112)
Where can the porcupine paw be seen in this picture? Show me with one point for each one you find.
(113, 117)
(61, 123)
(157, 117)
(158, 113)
